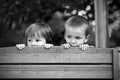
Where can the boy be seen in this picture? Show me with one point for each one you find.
(37, 34)
(77, 32)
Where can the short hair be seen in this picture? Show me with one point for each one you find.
(78, 21)
(41, 29)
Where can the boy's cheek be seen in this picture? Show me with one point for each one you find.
(68, 41)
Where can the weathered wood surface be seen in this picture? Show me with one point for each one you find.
(56, 62)
(54, 55)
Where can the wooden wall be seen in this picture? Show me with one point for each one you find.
(57, 62)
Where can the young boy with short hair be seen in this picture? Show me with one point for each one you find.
(37, 34)
(77, 32)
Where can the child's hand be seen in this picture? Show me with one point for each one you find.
(66, 46)
(20, 46)
(84, 46)
(48, 46)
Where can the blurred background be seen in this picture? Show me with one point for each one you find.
(16, 15)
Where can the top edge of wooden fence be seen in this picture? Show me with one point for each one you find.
(58, 49)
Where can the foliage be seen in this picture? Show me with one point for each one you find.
(15, 13)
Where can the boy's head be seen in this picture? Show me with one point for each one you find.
(38, 34)
(77, 30)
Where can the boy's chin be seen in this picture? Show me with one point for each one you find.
(35, 45)
(74, 45)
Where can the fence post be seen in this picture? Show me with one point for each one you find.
(116, 64)
(101, 23)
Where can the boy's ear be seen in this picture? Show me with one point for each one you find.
(87, 38)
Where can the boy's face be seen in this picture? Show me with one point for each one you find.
(75, 36)
(36, 41)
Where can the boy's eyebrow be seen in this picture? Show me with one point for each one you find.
(78, 36)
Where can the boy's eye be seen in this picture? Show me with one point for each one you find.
(29, 40)
(37, 40)
(69, 36)
(78, 37)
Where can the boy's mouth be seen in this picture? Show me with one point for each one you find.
(73, 45)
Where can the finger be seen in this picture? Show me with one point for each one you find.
(80, 46)
(51, 45)
(47, 46)
(66, 46)
(19, 47)
(63, 45)
(23, 45)
(91, 46)
(85, 47)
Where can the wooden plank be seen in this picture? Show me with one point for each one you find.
(101, 23)
(119, 56)
(57, 62)
(55, 55)
(56, 71)
(119, 63)
(116, 64)
(117, 50)
(54, 49)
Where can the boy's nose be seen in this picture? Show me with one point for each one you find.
(73, 40)
(33, 44)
